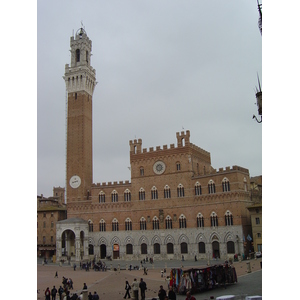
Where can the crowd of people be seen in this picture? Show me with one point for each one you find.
(138, 288)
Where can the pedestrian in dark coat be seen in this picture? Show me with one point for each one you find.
(143, 288)
(53, 293)
(162, 293)
(127, 288)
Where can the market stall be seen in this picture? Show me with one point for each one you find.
(200, 279)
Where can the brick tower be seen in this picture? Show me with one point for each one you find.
(80, 79)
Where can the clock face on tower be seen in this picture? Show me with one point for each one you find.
(159, 167)
(75, 182)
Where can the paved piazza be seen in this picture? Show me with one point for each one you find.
(110, 285)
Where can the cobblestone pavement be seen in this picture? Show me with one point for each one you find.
(110, 285)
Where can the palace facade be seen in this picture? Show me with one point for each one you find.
(176, 204)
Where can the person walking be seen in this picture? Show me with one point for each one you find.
(143, 287)
(90, 296)
(135, 288)
(162, 293)
(127, 288)
(53, 293)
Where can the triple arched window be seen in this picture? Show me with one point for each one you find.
(127, 195)
(154, 193)
(167, 192)
(115, 225)
(168, 222)
(142, 195)
(228, 218)
(182, 221)
(225, 185)
(200, 220)
(198, 190)
(143, 223)
(114, 196)
(213, 219)
(211, 187)
(180, 191)
(155, 223)
(101, 197)
(102, 225)
(128, 224)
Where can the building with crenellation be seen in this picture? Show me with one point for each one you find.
(176, 204)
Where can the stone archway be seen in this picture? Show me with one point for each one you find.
(72, 239)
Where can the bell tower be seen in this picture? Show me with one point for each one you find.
(80, 79)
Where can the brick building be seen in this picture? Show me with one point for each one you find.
(175, 205)
(49, 211)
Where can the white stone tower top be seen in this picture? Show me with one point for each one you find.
(80, 76)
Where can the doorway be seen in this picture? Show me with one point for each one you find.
(102, 251)
(215, 249)
(116, 252)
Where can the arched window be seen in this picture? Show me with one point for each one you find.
(178, 167)
(213, 219)
(142, 194)
(225, 185)
(91, 228)
(228, 218)
(129, 249)
(77, 55)
(102, 225)
(127, 195)
(114, 196)
(154, 193)
(182, 221)
(143, 225)
(201, 247)
(128, 224)
(115, 225)
(200, 220)
(167, 192)
(143, 248)
(87, 56)
(168, 222)
(211, 187)
(184, 248)
(198, 190)
(230, 247)
(101, 197)
(155, 223)
(180, 190)
(141, 171)
(170, 248)
(156, 248)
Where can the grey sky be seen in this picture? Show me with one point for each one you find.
(160, 66)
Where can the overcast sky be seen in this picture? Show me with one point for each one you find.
(161, 66)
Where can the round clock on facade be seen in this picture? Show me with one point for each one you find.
(75, 181)
(159, 167)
